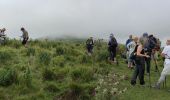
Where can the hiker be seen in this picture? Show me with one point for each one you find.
(140, 63)
(24, 36)
(89, 45)
(112, 46)
(149, 45)
(131, 47)
(166, 70)
(152, 44)
(2, 36)
(127, 42)
(2, 32)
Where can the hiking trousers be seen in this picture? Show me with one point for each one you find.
(90, 48)
(148, 63)
(112, 52)
(165, 72)
(139, 71)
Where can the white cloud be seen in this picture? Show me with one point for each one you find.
(85, 17)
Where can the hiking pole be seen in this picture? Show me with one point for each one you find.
(149, 80)
(165, 81)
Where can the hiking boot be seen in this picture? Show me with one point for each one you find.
(133, 82)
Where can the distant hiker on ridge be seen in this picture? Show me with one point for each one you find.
(89, 45)
(112, 46)
(2, 36)
(24, 36)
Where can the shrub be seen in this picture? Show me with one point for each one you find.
(85, 59)
(60, 51)
(51, 87)
(61, 74)
(8, 77)
(48, 74)
(5, 56)
(102, 56)
(26, 78)
(59, 61)
(30, 51)
(77, 91)
(83, 74)
(44, 58)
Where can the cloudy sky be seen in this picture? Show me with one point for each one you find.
(84, 18)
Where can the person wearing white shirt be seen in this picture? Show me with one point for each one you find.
(131, 47)
(166, 70)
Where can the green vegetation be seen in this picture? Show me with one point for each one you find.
(61, 70)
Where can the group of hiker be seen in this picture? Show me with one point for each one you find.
(112, 47)
(24, 36)
(139, 53)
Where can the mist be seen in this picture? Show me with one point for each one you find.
(85, 18)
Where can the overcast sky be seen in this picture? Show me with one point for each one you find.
(84, 18)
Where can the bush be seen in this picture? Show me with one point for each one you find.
(77, 91)
(48, 74)
(83, 74)
(30, 51)
(84, 59)
(102, 56)
(59, 61)
(60, 51)
(5, 56)
(44, 58)
(8, 77)
(26, 78)
(51, 87)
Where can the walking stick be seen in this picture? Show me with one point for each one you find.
(149, 80)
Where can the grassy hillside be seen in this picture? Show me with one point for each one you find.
(61, 70)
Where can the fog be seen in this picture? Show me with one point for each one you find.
(85, 18)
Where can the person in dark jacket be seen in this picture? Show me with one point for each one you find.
(140, 63)
(112, 46)
(89, 45)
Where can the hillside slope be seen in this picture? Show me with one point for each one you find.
(61, 70)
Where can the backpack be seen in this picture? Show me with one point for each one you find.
(128, 41)
(113, 42)
(133, 54)
(152, 43)
(89, 42)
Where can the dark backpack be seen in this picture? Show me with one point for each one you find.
(113, 42)
(152, 43)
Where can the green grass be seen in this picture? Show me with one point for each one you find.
(61, 70)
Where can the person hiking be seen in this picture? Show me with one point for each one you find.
(127, 42)
(24, 36)
(89, 45)
(2, 36)
(131, 47)
(2, 32)
(140, 63)
(150, 46)
(112, 46)
(166, 70)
